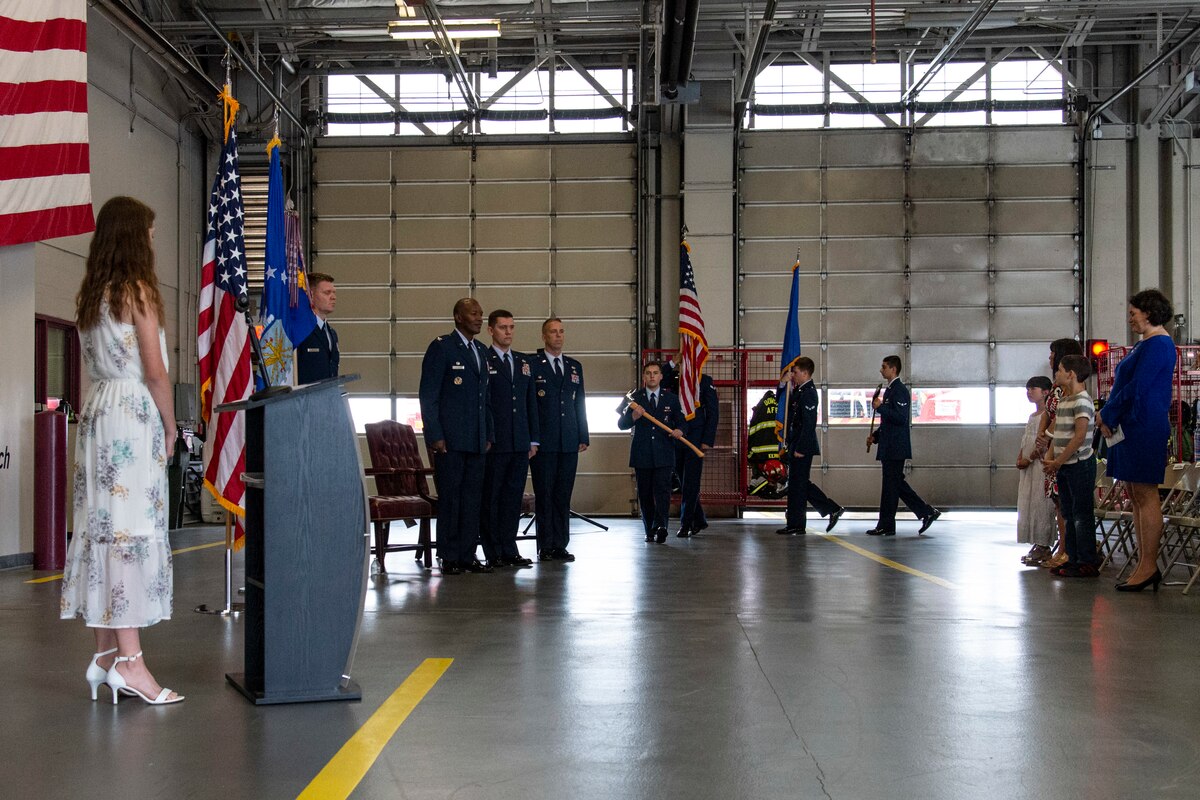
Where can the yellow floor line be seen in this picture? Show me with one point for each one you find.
(58, 577)
(344, 771)
(887, 562)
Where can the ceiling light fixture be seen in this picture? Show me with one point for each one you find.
(455, 29)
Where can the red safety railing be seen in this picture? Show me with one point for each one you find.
(735, 371)
(1184, 394)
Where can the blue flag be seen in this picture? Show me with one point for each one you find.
(791, 352)
(285, 313)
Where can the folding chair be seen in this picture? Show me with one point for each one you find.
(1181, 533)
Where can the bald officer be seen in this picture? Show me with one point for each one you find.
(562, 436)
(458, 430)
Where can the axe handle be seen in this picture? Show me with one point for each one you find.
(667, 428)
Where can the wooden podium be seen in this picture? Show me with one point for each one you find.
(306, 546)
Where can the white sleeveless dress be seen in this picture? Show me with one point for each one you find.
(118, 572)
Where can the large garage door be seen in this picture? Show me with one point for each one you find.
(535, 229)
(954, 248)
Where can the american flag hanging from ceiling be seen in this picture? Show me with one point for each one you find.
(45, 182)
(223, 336)
(693, 345)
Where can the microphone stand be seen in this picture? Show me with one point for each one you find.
(256, 357)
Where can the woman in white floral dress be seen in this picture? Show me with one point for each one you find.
(118, 575)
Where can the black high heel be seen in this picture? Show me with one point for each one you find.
(1153, 580)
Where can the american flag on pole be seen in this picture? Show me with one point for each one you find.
(224, 342)
(45, 184)
(693, 345)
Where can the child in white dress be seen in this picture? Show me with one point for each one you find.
(1035, 511)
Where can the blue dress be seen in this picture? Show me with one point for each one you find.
(1140, 402)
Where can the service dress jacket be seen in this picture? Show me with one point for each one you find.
(802, 420)
(701, 429)
(651, 445)
(513, 401)
(895, 420)
(454, 395)
(562, 408)
(316, 359)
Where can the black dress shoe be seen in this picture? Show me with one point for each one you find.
(562, 555)
(881, 532)
(495, 564)
(927, 521)
(516, 561)
(684, 533)
(650, 536)
(785, 531)
(662, 535)
(474, 565)
(450, 568)
(545, 555)
(833, 519)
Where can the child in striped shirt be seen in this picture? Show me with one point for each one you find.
(1071, 457)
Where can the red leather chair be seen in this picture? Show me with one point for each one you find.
(401, 479)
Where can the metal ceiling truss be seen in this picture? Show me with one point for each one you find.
(970, 81)
(394, 102)
(837, 80)
(951, 48)
(1174, 91)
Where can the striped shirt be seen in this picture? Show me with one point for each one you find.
(1070, 409)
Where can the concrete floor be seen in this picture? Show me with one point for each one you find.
(739, 664)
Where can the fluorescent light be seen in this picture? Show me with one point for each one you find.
(455, 29)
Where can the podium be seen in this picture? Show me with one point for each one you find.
(306, 546)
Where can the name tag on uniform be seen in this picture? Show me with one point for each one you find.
(491, 371)
(313, 350)
(457, 366)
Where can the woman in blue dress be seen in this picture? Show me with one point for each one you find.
(1139, 405)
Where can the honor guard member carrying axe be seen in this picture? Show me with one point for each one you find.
(513, 401)
(458, 432)
(562, 436)
(893, 436)
(652, 451)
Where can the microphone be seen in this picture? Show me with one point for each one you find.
(878, 389)
(242, 303)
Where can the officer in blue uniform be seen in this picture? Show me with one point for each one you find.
(700, 430)
(317, 356)
(895, 446)
(562, 436)
(458, 431)
(652, 450)
(513, 402)
(800, 439)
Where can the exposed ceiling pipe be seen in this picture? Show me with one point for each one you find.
(246, 65)
(154, 45)
(957, 40)
(1150, 69)
(756, 55)
(679, 42)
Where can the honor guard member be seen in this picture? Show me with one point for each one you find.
(801, 442)
(317, 356)
(700, 430)
(651, 450)
(458, 431)
(562, 436)
(513, 401)
(895, 446)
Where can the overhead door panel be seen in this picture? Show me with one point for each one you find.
(537, 229)
(953, 248)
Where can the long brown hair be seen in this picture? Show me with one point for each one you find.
(120, 264)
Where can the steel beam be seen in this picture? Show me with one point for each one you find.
(948, 51)
(503, 90)
(394, 102)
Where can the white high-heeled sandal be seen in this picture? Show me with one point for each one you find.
(97, 674)
(116, 682)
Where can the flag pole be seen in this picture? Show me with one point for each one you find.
(231, 608)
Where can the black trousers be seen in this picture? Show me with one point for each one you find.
(459, 479)
(503, 487)
(801, 493)
(654, 496)
(894, 489)
(553, 482)
(689, 467)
